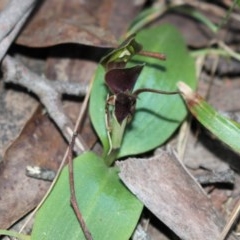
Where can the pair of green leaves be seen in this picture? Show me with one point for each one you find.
(109, 209)
(156, 116)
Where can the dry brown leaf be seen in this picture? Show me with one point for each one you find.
(15, 109)
(38, 144)
(86, 131)
(58, 22)
(194, 33)
(166, 188)
(74, 70)
(113, 14)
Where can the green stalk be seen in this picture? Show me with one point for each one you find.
(115, 138)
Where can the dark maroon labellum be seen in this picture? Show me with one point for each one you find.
(124, 105)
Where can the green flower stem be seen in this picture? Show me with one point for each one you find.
(111, 157)
(115, 138)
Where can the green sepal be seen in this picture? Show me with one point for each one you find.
(117, 132)
(123, 53)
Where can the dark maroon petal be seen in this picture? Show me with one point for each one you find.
(124, 105)
(122, 80)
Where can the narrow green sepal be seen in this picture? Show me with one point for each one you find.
(121, 55)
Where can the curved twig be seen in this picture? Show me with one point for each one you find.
(49, 93)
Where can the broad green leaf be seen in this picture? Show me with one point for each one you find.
(109, 209)
(157, 116)
(227, 130)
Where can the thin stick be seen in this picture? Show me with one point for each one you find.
(233, 217)
(50, 96)
(73, 198)
(83, 109)
(141, 90)
(231, 52)
(48, 191)
(159, 56)
(185, 128)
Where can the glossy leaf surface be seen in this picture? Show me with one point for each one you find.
(109, 209)
(157, 116)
